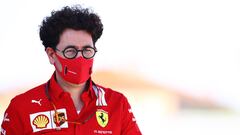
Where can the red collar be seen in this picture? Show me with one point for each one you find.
(57, 92)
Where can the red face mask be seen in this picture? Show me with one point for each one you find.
(76, 70)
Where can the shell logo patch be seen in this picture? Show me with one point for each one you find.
(48, 120)
(102, 117)
(40, 121)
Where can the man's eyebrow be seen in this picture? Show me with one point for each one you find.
(87, 46)
(71, 46)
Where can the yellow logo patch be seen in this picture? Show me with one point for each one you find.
(102, 117)
(41, 121)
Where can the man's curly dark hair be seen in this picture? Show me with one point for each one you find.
(76, 18)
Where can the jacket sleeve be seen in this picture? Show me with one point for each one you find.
(129, 125)
(11, 124)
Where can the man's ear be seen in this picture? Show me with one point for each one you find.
(50, 52)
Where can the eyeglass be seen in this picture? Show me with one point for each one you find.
(71, 52)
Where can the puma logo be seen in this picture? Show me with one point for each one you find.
(37, 101)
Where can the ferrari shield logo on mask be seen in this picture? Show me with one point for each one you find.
(102, 117)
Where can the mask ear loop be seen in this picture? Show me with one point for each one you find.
(56, 118)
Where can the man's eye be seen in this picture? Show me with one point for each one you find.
(70, 51)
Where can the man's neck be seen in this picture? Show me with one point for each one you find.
(75, 90)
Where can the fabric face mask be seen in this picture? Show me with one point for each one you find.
(76, 71)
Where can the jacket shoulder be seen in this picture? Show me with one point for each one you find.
(34, 93)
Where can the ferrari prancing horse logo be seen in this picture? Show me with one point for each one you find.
(102, 117)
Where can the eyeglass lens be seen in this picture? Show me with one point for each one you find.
(72, 52)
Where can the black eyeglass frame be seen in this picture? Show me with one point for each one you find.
(84, 48)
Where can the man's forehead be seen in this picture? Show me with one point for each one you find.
(77, 38)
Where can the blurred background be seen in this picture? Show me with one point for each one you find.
(177, 61)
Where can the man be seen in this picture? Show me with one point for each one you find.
(70, 103)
